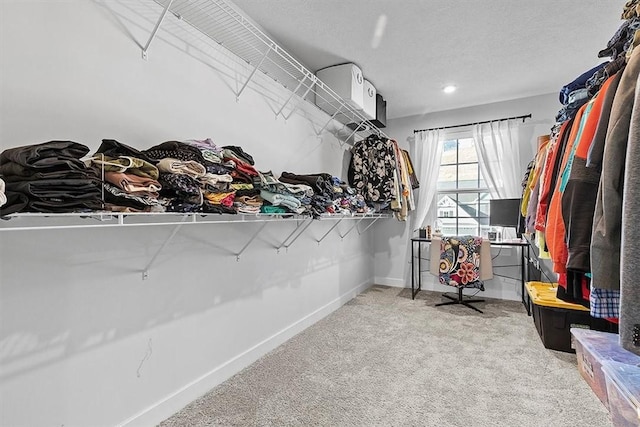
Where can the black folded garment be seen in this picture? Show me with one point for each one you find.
(321, 183)
(217, 209)
(16, 202)
(174, 184)
(21, 202)
(52, 154)
(248, 192)
(14, 172)
(179, 205)
(55, 205)
(240, 153)
(176, 150)
(58, 195)
(113, 148)
(67, 189)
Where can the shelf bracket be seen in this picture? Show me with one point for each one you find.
(145, 272)
(298, 227)
(300, 233)
(251, 240)
(253, 72)
(293, 92)
(304, 95)
(368, 226)
(330, 230)
(355, 130)
(329, 121)
(342, 236)
(155, 30)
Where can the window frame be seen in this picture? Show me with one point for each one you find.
(457, 191)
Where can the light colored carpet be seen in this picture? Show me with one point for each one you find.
(384, 359)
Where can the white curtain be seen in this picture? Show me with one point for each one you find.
(501, 157)
(428, 152)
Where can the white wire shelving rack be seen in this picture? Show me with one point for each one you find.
(64, 221)
(220, 22)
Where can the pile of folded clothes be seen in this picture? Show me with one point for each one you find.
(283, 197)
(130, 178)
(49, 177)
(193, 176)
(322, 185)
(174, 176)
(247, 199)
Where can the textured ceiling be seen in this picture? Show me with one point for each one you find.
(491, 50)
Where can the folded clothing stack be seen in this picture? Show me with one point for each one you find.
(324, 192)
(248, 201)
(49, 177)
(130, 178)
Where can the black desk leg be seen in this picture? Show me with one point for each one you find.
(414, 289)
(413, 271)
(419, 268)
(524, 264)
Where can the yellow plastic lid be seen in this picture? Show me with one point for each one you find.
(544, 294)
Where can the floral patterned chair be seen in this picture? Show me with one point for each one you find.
(460, 267)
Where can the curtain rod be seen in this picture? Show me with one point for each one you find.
(528, 116)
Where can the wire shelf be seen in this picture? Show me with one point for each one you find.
(52, 221)
(223, 24)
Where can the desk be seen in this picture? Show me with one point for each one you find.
(522, 244)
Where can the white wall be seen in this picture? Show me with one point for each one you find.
(392, 259)
(83, 339)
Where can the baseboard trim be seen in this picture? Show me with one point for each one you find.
(390, 281)
(172, 403)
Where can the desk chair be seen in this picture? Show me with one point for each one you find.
(460, 267)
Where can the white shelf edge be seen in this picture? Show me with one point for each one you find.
(119, 219)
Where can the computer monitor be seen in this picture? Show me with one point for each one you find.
(504, 213)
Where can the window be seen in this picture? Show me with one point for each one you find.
(463, 197)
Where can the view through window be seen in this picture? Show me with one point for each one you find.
(463, 197)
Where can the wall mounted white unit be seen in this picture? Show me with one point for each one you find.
(369, 100)
(347, 81)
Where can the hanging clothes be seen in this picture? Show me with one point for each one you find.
(554, 229)
(630, 268)
(579, 197)
(372, 170)
(607, 221)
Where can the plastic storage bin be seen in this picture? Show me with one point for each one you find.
(554, 318)
(593, 348)
(369, 100)
(623, 388)
(381, 112)
(347, 81)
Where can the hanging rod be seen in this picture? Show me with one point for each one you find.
(528, 116)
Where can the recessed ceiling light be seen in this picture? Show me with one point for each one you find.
(449, 89)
